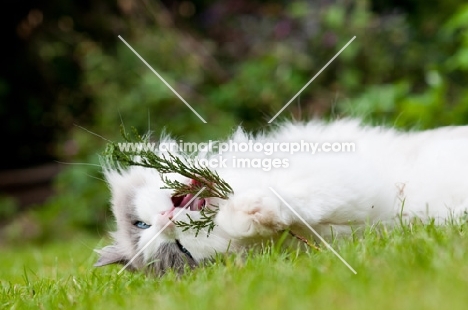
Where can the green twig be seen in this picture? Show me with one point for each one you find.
(170, 163)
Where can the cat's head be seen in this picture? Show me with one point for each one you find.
(146, 237)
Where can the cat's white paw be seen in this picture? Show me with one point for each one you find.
(251, 214)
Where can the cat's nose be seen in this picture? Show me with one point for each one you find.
(168, 213)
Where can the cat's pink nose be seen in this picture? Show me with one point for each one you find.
(168, 213)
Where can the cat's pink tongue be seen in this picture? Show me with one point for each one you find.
(196, 205)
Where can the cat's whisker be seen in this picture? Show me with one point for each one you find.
(94, 177)
(93, 133)
(77, 163)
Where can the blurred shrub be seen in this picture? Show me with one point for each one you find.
(441, 100)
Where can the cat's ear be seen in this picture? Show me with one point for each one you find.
(110, 255)
(117, 180)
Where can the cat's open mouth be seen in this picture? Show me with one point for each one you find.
(188, 202)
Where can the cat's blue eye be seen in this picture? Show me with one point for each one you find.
(141, 225)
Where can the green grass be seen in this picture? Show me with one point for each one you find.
(419, 267)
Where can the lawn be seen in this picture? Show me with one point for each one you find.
(415, 267)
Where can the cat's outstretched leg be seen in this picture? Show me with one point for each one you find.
(253, 213)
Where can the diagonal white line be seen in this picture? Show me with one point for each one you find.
(164, 81)
(308, 83)
(160, 231)
(313, 230)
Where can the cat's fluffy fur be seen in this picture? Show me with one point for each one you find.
(391, 176)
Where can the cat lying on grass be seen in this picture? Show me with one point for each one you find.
(387, 177)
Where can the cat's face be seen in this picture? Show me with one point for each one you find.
(146, 234)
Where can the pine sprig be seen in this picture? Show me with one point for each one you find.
(182, 189)
(206, 221)
(169, 163)
(166, 163)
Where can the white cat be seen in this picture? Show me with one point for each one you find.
(389, 176)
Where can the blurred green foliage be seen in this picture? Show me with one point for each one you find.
(437, 96)
(407, 68)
